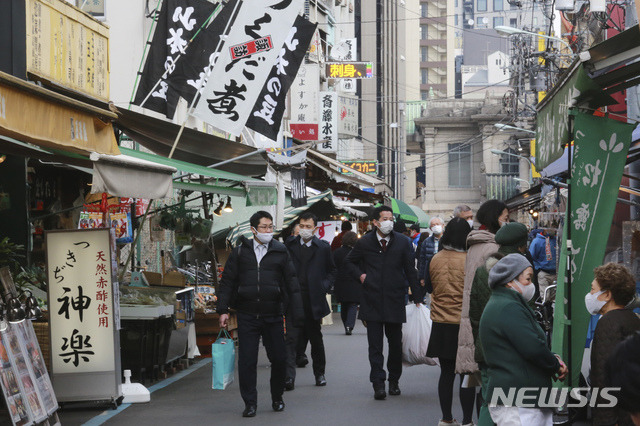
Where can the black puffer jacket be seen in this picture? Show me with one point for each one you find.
(268, 289)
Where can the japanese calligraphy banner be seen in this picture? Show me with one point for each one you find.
(328, 127)
(193, 69)
(81, 301)
(267, 112)
(234, 85)
(600, 153)
(348, 116)
(178, 21)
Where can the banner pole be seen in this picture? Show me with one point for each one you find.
(197, 95)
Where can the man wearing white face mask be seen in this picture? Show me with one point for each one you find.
(514, 346)
(612, 289)
(384, 261)
(259, 282)
(429, 249)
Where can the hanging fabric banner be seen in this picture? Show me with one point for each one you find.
(193, 69)
(178, 21)
(600, 153)
(269, 108)
(298, 186)
(251, 49)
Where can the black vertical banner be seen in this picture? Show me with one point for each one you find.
(298, 186)
(267, 113)
(178, 21)
(193, 69)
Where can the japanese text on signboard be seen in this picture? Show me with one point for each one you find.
(328, 126)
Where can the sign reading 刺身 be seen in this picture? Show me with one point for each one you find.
(349, 69)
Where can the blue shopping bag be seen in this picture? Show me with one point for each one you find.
(223, 359)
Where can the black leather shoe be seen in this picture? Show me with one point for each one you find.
(250, 411)
(277, 405)
(379, 394)
(302, 361)
(349, 331)
(394, 389)
(320, 380)
(289, 385)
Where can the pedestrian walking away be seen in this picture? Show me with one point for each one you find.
(347, 289)
(384, 261)
(316, 272)
(447, 280)
(259, 282)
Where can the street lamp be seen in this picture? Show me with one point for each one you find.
(499, 152)
(507, 31)
(502, 127)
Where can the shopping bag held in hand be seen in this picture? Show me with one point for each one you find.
(223, 359)
(415, 336)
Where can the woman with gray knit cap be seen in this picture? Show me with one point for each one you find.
(514, 345)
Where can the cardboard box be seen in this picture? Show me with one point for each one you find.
(174, 279)
(153, 278)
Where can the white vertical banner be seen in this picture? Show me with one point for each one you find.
(304, 92)
(348, 116)
(349, 85)
(245, 62)
(328, 124)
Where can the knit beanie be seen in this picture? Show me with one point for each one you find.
(507, 269)
(512, 234)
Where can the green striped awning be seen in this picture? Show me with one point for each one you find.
(290, 215)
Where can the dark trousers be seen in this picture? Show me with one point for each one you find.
(250, 329)
(312, 331)
(375, 335)
(291, 342)
(349, 312)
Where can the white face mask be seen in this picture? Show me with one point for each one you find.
(593, 304)
(437, 229)
(263, 237)
(527, 291)
(306, 234)
(386, 226)
(470, 222)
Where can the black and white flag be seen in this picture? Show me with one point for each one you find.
(267, 112)
(178, 21)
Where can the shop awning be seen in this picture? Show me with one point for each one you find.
(321, 205)
(194, 146)
(332, 167)
(48, 119)
(127, 176)
(525, 199)
(423, 218)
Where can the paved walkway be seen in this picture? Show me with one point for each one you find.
(346, 400)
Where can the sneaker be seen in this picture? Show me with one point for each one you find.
(451, 423)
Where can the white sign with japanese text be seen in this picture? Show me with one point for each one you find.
(234, 85)
(81, 298)
(328, 126)
(347, 116)
(304, 94)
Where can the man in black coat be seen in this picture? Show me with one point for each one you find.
(316, 274)
(259, 282)
(383, 261)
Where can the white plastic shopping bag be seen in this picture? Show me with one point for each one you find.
(415, 336)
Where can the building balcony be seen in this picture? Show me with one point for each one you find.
(434, 42)
(434, 64)
(501, 186)
(436, 87)
(434, 20)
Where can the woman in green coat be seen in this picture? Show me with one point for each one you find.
(514, 345)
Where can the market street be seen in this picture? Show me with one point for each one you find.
(347, 398)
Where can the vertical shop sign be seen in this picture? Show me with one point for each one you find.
(235, 84)
(347, 116)
(83, 319)
(328, 126)
(600, 153)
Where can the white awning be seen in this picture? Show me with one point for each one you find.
(125, 176)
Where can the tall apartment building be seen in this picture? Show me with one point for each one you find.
(437, 48)
(380, 27)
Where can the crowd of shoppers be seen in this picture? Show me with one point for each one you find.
(482, 276)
